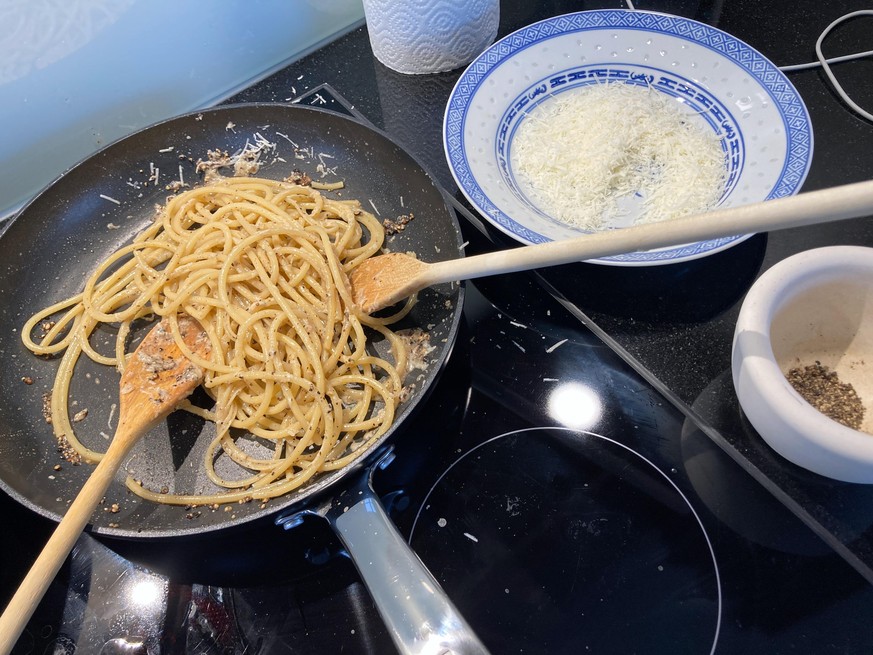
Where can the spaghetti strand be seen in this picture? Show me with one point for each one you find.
(263, 265)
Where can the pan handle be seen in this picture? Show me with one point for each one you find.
(420, 617)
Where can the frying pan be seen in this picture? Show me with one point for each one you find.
(100, 204)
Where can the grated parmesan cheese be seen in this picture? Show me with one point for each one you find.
(609, 155)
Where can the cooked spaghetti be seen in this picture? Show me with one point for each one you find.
(263, 265)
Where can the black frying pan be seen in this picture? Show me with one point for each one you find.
(98, 205)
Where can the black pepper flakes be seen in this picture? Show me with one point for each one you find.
(67, 452)
(297, 177)
(822, 388)
(393, 227)
(47, 407)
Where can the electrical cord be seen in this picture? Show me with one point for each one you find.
(824, 63)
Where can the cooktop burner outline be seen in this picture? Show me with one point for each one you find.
(491, 504)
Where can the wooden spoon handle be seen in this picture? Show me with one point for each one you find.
(833, 204)
(55, 552)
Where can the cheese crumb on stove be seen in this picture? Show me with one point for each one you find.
(618, 150)
(557, 345)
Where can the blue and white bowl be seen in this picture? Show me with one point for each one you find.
(730, 87)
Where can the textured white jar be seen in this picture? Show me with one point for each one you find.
(430, 36)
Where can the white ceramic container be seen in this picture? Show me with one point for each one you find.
(816, 306)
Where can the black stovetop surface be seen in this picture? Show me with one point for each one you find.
(546, 542)
(660, 523)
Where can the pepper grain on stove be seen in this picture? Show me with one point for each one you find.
(822, 388)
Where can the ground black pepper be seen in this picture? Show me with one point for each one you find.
(822, 388)
(393, 227)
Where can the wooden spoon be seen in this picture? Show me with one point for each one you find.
(384, 280)
(157, 377)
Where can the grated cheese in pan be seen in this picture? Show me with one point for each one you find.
(611, 154)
